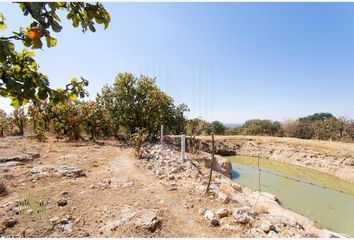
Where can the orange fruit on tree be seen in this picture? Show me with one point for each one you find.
(34, 33)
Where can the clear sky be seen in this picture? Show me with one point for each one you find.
(226, 61)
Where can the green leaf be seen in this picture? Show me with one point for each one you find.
(15, 103)
(51, 42)
(3, 26)
(73, 97)
(37, 44)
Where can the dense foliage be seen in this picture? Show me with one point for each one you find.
(132, 107)
(135, 103)
(20, 79)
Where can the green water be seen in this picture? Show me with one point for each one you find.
(302, 190)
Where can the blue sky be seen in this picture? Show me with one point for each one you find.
(226, 61)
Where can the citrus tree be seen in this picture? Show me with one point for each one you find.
(20, 79)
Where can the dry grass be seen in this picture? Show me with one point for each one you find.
(334, 148)
(261, 209)
(3, 190)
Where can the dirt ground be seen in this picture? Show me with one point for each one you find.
(115, 184)
(101, 189)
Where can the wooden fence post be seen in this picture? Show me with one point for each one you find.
(161, 137)
(212, 162)
(183, 147)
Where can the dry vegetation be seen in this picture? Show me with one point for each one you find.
(333, 148)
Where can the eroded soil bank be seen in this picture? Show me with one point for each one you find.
(334, 158)
(60, 189)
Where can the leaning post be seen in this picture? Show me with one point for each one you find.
(183, 147)
(161, 137)
(212, 162)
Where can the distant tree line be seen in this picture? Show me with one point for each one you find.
(321, 126)
(131, 106)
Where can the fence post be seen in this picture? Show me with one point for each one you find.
(212, 162)
(183, 147)
(161, 138)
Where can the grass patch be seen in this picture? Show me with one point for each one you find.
(304, 173)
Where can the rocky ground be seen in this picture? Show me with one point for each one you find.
(85, 189)
(334, 158)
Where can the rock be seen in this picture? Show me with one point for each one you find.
(42, 171)
(10, 222)
(210, 217)
(54, 220)
(222, 212)
(223, 198)
(149, 220)
(267, 226)
(20, 158)
(64, 221)
(64, 193)
(34, 154)
(201, 211)
(256, 233)
(62, 202)
(69, 171)
(243, 215)
(270, 197)
(272, 234)
(237, 187)
(10, 164)
(231, 228)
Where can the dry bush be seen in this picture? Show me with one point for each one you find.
(261, 209)
(3, 190)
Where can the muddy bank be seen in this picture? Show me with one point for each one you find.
(236, 209)
(334, 158)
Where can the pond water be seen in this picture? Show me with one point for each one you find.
(330, 208)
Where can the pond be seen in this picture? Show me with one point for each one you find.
(325, 199)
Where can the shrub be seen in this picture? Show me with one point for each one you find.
(137, 140)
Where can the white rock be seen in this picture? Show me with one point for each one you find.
(243, 215)
(223, 198)
(210, 217)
